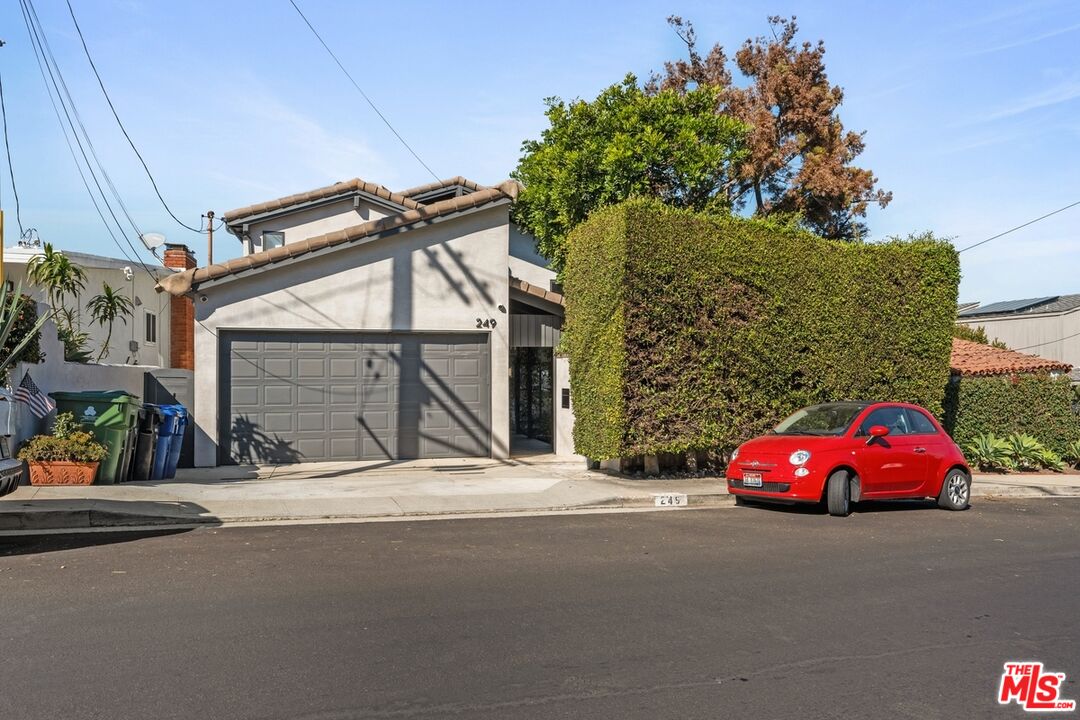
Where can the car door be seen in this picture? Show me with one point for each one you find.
(895, 463)
(934, 444)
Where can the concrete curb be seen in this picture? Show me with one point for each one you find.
(91, 518)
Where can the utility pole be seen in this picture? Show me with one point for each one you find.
(209, 237)
(2, 222)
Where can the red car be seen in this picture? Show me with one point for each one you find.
(845, 452)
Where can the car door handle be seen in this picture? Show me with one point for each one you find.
(920, 450)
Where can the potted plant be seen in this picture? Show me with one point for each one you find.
(69, 456)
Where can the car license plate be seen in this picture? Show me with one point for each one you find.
(751, 479)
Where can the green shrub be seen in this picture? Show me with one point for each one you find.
(1032, 404)
(694, 332)
(67, 443)
(988, 453)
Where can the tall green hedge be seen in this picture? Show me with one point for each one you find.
(694, 332)
(1036, 404)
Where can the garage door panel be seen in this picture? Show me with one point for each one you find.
(312, 396)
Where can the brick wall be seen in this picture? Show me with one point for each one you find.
(181, 312)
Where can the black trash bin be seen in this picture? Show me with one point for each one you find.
(150, 418)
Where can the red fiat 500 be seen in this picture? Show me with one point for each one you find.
(845, 452)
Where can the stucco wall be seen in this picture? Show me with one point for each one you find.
(1056, 337)
(315, 221)
(564, 417)
(140, 290)
(439, 278)
(55, 375)
(527, 264)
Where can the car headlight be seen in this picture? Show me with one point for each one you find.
(735, 453)
(801, 472)
(799, 457)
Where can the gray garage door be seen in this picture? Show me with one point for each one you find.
(294, 397)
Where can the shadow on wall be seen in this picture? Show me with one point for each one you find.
(251, 445)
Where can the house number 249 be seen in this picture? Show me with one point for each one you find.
(489, 323)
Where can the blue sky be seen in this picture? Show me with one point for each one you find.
(972, 110)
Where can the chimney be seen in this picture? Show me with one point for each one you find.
(181, 311)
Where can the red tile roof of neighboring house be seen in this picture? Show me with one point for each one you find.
(972, 358)
(183, 282)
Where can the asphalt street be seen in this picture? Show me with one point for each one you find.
(899, 611)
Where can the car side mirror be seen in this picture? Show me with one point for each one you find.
(877, 432)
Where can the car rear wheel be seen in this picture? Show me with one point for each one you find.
(955, 491)
(838, 494)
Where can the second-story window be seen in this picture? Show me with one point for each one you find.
(272, 239)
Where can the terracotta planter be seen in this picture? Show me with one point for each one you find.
(56, 472)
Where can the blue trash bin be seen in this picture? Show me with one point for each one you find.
(166, 433)
(177, 442)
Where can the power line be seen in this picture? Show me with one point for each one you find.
(11, 169)
(1018, 227)
(123, 129)
(359, 90)
(47, 62)
(1048, 342)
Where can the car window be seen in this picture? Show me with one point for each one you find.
(893, 418)
(919, 424)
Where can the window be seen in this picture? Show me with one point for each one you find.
(272, 239)
(919, 423)
(151, 327)
(827, 419)
(893, 418)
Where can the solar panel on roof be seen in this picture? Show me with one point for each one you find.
(1007, 306)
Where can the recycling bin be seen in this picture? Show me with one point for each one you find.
(143, 462)
(176, 444)
(167, 436)
(112, 416)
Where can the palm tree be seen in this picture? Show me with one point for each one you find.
(106, 308)
(53, 272)
(56, 275)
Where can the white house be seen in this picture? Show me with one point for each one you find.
(361, 323)
(144, 338)
(1046, 326)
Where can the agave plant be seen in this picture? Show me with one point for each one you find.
(1025, 451)
(1051, 460)
(12, 305)
(1072, 453)
(989, 453)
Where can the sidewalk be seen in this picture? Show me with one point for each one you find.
(359, 491)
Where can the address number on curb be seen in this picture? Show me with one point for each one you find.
(670, 499)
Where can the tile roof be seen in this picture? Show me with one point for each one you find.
(183, 282)
(972, 358)
(342, 188)
(448, 182)
(536, 291)
(1052, 304)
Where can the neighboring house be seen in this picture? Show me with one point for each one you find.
(1049, 326)
(365, 324)
(972, 359)
(144, 338)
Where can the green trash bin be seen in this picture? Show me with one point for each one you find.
(113, 418)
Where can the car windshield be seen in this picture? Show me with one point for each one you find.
(827, 419)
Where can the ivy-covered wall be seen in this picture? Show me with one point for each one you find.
(1036, 404)
(696, 332)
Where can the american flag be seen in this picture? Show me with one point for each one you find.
(28, 392)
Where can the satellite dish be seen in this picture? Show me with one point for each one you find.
(152, 241)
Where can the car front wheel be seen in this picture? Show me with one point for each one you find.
(955, 491)
(838, 494)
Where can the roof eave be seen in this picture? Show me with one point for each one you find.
(234, 224)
